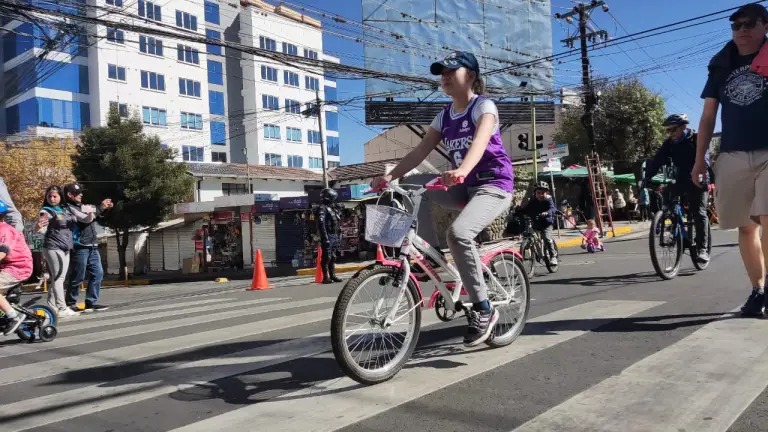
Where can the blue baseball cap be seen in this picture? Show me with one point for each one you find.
(456, 60)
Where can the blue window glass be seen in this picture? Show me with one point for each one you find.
(270, 102)
(154, 116)
(188, 87)
(295, 161)
(152, 81)
(116, 72)
(193, 154)
(186, 20)
(52, 113)
(215, 72)
(330, 94)
(291, 78)
(47, 74)
(218, 133)
(332, 120)
(268, 73)
(333, 146)
(216, 102)
(211, 12)
(213, 34)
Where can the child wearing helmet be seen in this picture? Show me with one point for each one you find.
(542, 210)
(15, 267)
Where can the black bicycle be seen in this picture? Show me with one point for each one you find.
(532, 247)
(671, 230)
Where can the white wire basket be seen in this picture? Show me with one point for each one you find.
(386, 225)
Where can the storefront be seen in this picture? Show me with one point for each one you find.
(222, 239)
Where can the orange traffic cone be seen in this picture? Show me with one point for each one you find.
(259, 281)
(319, 267)
(379, 254)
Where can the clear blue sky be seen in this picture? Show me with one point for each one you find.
(679, 81)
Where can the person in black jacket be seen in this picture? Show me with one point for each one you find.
(328, 218)
(681, 148)
(542, 210)
(85, 256)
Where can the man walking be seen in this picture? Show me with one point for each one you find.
(741, 196)
(85, 257)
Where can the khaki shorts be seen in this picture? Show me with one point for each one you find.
(7, 282)
(741, 188)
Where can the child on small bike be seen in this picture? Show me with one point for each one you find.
(590, 240)
(15, 267)
(469, 128)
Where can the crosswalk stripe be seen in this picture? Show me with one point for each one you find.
(333, 404)
(124, 311)
(132, 352)
(207, 309)
(701, 383)
(66, 405)
(69, 341)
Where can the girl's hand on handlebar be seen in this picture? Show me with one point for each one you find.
(453, 177)
(380, 183)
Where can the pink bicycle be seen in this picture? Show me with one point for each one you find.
(387, 297)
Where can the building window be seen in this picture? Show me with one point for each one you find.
(117, 3)
(333, 146)
(332, 120)
(218, 133)
(216, 102)
(293, 134)
(187, 54)
(311, 83)
(115, 36)
(150, 10)
(313, 137)
(213, 35)
(290, 49)
(186, 20)
(188, 87)
(312, 108)
(269, 73)
(271, 131)
(153, 116)
(152, 81)
(315, 162)
(291, 78)
(220, 157)
(292, 106)
(193, 154)
(234, 189)
(211, 12)
(333, 164)
(330, 94)
(215, 72)
(44, 112)
(191, 121)
(266, 43)
(310, 54)
(150, 45)
(270, 102)
(295, 161)
(272, 159)
(122, 109)
(115, 72)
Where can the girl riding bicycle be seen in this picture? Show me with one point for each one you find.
(482, 178)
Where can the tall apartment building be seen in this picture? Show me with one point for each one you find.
(210, 103)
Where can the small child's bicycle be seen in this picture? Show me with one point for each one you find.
(40, 321)
(360, 327)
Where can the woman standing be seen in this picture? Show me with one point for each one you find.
(57, 223)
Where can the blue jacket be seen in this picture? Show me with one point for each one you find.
(534, 207)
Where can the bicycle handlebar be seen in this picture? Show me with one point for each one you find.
(436, 184)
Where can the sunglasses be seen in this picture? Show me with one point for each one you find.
(748, 25)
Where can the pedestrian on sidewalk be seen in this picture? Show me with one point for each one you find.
(57, 223)
(738, 82)
(85, 255)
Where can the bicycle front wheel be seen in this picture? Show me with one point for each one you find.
(511, 296)
(666, 247)
(362, 349)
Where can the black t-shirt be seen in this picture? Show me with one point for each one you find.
(743, 96)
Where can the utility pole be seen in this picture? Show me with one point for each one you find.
(583, 11)
(318, 110)
(532, 139)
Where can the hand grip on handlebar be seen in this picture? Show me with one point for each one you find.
(439, 185)
(382, 186)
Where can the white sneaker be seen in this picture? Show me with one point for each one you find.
(67, 313)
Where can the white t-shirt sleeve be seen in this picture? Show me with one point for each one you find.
(486, 106)
(437, 122)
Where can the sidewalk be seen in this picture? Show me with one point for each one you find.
(565, 239)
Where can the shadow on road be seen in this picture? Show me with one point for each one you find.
(613, 280)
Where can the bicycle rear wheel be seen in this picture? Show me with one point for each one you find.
(365, 333)
(514, 294)
(662, 239)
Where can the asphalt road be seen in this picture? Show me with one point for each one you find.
(609, 347)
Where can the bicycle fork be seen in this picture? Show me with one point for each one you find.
(405, 269)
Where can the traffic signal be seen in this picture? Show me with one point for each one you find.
(539, 144)
(523, 144)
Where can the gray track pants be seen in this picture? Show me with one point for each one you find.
(58, 264)
(480, 207)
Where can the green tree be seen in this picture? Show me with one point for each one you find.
(627, 120)
(120, 162)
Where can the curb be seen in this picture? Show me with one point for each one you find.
(339, 269)
(577, 241)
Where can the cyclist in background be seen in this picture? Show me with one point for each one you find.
(469, 128)
(681, 147)
(541, 209)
